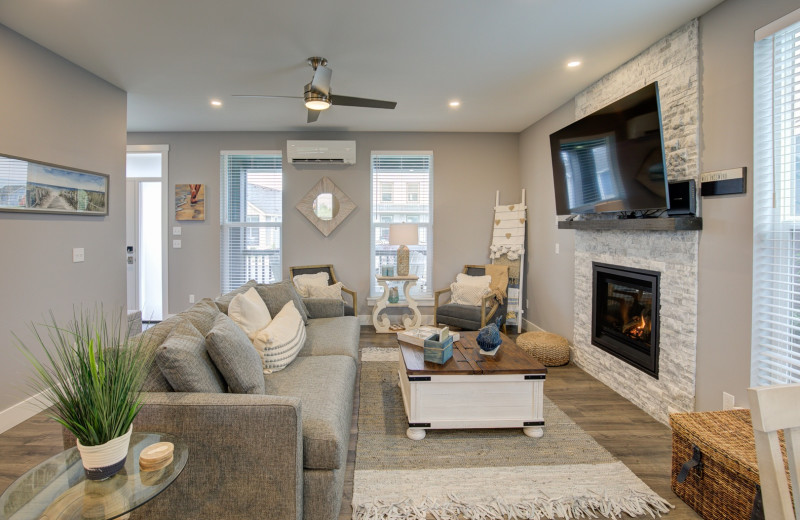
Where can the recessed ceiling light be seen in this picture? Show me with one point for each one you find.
(455, 103)
(573, 64)
(216, 102)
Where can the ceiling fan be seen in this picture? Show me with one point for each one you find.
(318, 96)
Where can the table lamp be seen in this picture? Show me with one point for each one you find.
(403, 235)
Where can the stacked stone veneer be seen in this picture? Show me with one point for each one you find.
(673, 62)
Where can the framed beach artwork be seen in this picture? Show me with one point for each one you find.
(190, 202)
(37, 187)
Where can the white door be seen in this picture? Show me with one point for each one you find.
(146, 230)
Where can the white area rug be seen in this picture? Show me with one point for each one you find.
(482, 474)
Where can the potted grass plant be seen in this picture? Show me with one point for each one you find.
(90, 382)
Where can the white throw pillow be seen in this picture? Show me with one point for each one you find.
(280, 342)
(466, 279)
(249, 312)
(328, 291)
(303, 281)
(468, 294)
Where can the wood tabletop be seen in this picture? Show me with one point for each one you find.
(466, 360)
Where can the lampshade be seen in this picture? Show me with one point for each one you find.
(403, 234)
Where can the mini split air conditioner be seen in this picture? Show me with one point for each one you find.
(321, 152)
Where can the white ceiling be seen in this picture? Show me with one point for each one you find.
(503, 59)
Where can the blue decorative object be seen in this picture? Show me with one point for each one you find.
(439, 347)
(489, 337)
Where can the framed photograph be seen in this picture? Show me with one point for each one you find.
(37, 187)
(190, 202)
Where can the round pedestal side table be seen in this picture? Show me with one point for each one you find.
(58, 488)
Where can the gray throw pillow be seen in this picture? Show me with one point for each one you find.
(185, 363)
(275, 295)
(235, 356)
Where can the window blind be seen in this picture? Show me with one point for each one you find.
(251, 216)
(776, 209)
(402, 191)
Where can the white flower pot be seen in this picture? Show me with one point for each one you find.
(105, 460)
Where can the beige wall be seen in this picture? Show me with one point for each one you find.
(550, 278)
(726, 243)
(468, 168)
(53, 111)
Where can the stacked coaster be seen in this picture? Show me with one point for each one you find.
(156, 456)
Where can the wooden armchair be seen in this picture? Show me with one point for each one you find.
(349, 310)
(775, 408)
(468, 317)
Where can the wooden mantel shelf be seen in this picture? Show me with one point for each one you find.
(635, 224)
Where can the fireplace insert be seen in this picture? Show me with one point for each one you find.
(625, 309)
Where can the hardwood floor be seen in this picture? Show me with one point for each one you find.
(642, 443)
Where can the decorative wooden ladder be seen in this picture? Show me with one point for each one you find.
(508, 248)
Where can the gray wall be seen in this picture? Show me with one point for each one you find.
(468, 169)
(550, 281)
(55, 112)
(726, 243)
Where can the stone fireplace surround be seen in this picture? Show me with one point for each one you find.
(673, 62)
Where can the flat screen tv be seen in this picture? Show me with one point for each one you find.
(612, 160)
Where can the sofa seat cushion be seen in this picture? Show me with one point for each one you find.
(332, 337)
(325, 386)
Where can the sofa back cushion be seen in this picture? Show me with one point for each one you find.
(275, 295)
(233, 354)
(185, 362)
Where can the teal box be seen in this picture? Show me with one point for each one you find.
(438, 351)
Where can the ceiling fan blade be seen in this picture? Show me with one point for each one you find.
(313, 115)
(264, 96)
(322, 80)
(361, 102)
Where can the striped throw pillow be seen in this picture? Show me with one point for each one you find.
(280, 342)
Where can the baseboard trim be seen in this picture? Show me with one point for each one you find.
(21, 412)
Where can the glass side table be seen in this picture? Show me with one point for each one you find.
(58, 489)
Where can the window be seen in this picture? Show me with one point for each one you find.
(412, 172)
(251, 214)
(776, 186)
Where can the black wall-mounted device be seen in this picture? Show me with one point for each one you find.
(682, 198)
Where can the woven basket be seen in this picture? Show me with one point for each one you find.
(549, 349)
(726, 486)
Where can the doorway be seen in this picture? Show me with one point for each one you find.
(146, 214)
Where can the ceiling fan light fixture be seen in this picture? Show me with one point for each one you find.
(318, 104)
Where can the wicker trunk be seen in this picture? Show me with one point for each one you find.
(723, 485)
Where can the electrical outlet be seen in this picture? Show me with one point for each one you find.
(527, 305)
(191, 298)
(558, 248)
(727, 401)
(77, 254)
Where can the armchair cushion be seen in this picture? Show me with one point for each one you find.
(466, 317)
(305, 281)
(327, 291)
(468, 294)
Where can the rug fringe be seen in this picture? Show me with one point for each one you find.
(594, 505)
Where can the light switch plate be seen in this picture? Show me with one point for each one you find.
(176, 244)
(77, 254)
(176, 230)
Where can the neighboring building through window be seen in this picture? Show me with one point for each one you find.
(402, 191)
(776, 187)
(251, 217)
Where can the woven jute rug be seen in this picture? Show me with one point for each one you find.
(491, 474)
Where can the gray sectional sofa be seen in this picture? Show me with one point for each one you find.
(279, 456)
